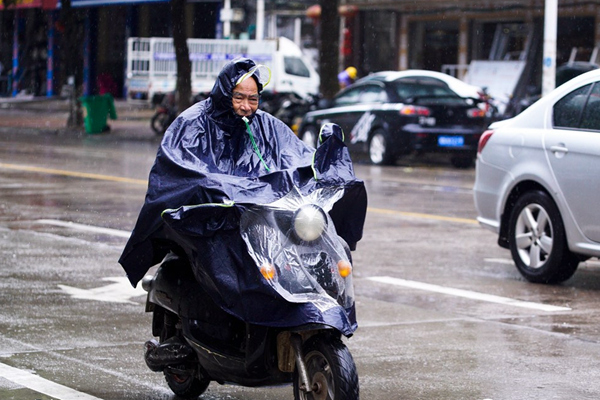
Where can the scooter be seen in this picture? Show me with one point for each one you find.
(298, 254)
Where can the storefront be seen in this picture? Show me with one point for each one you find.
(437, 34)
(34, 53)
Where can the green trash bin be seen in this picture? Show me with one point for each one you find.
(96, 110)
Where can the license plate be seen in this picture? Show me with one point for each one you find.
(451, 141)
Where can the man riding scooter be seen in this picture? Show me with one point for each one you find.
(217, 159)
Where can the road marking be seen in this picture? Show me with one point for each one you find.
(74, 174)
(424, 216)
(507, 261)
(41, 385)
(466, 294)
(85, 228)
(145, 183)
(118, 292)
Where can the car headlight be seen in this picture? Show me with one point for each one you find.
(309, 222)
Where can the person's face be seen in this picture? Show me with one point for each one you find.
(245, 98)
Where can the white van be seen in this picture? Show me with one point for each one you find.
(152, 68)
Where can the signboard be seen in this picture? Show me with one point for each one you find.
(56, 4)
(94, 3)
(231, 15)
(17, 4)
(499, 77)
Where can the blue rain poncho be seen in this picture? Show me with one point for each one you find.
(209, 157)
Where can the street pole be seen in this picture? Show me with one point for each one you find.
(227, 22)
(260, 19)
(549, 68)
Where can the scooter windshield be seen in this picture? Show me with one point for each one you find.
(296, 248)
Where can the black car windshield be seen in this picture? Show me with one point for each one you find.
(361, 94)
(426, 92)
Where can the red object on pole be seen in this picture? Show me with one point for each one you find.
(347, 43)
(348, 11)
(314, 12)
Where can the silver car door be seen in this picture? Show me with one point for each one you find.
(573, 152)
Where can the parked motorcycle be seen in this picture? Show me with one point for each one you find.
(293, 246)
(293, 108)
(164, 113)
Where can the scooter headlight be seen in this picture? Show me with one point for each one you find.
(309, 222)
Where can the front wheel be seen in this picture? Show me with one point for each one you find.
(185, 383)
(331, 371)
(537, 240)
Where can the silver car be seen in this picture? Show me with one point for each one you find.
(538, 181)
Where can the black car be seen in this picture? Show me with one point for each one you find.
(388, 118)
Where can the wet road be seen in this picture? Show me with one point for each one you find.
(443, 313)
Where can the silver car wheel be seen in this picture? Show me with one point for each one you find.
(537, 239)
(377, 148)
(534, 236)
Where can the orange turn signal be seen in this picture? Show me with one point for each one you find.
(268, 271)
(345, 268)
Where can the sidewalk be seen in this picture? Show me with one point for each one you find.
(50, 115)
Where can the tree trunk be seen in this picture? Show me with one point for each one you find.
(182, 55)
(329, 48)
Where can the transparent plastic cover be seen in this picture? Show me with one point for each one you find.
(301, 271)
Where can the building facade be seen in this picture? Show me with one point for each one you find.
(375, 35)
(448, 35)
(33, 49)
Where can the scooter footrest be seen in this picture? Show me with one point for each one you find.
(171, 352)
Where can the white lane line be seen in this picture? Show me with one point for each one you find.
(507, 261)
(41, 385)
(466, 294)
(85, 228)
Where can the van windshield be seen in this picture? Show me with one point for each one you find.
(295, 66)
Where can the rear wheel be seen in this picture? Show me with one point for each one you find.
(331, 371)
(537, 240)
(380, 152)
(184, 380)
(185, 383)
(159, 122)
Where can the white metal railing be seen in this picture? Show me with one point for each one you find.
(155, 57)
(152, 65)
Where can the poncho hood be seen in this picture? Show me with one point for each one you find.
(220, 106)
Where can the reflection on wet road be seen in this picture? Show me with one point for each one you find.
(442, 311)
